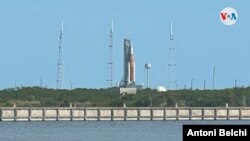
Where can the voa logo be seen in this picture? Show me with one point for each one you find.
(228, 16)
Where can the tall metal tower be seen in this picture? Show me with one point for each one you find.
(59, 81)
(171, 64)
(110, 60)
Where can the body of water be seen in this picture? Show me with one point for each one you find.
(99, 130)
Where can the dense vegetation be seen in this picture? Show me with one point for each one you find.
(43, 97)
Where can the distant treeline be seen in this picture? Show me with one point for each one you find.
(44, 97)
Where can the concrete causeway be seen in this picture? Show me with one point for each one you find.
(120, 113)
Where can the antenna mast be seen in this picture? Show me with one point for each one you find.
(41, 81)
(59, 81)
(110, 60)
(171, 64)
(213, 78)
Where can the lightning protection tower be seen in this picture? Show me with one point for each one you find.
(110, 60)
(59, 81)
(171, 64)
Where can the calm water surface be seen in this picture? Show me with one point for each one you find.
(99, 130)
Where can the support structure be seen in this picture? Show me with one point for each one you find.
(59, 81)
(110, 61)
(171, 65)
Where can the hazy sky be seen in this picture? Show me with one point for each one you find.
(29, 37)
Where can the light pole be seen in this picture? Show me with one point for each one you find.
(192, 83)
(213, 78)
(204, 84)
(235, 83)
(70, 85)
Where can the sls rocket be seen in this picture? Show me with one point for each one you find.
(129, 65)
